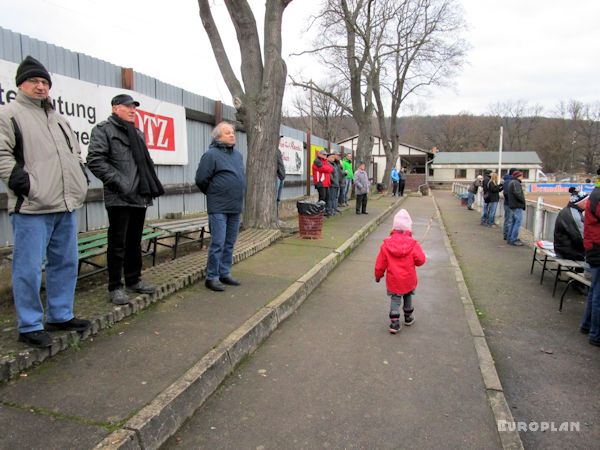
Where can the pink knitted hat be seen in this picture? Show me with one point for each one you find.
(402, 221)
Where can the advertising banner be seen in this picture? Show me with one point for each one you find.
(292, 151)
(541, 188)
(86, 104)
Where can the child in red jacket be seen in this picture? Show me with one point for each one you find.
(400, 254)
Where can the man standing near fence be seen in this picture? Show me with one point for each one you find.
(280, 179)
(506, 180)
(118, 156)
(516, 202)
(40, 163)
(221, 177)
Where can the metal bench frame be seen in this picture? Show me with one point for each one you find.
(182, 229)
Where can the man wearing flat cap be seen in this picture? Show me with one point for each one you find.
(119, 157)
(40, 163)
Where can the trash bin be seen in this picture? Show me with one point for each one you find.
(310, 219)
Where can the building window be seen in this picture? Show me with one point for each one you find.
(525, 173)
(460, 174)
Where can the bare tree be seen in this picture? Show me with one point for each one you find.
(519, 120)
(421, 46)
(257, 99)
(345, 51)
(324, 111)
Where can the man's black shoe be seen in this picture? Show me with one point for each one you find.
(229, 280)
(364, 212)
(214, 285)
(74, 324)
(39, 339)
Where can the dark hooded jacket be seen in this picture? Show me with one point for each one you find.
(568, 234)
(516, 197)
(220, 176)
(399, 255)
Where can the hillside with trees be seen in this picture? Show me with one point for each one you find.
(566, 139)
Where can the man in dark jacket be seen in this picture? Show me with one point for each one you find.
(506, 179)
(590, 322)
(485, 187)
(119, 157)
(280, 177)
(336, 179)
(568, 229)
(516, 203)
(220, 176)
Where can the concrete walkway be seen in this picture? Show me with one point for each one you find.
(548, 370)
(98, 386)
(332, 376)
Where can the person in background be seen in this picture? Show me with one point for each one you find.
(492, 190)
(395, 181)
(507, 212)
(517, 207)
(568, 228)
(280, 178)
(40, 164)
(118, 156)
(221, 177)
(402, 181)
(334, 189)
(362, 185)
(347, 165)
(472, 191)
(322, 175)
(484, 188)
(590, 322)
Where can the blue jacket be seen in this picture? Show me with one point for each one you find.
(395, 175)
(221, 177)
(506, 180)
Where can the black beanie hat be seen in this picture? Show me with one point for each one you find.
(29, 68)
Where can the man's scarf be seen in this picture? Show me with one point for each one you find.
(149, 185)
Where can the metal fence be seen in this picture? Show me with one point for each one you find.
(15, 46)
(539, 217)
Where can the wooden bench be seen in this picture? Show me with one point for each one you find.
(90, 246)
(548, 259)
(572, 278)
(182, 229)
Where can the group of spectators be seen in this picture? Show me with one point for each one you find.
(41, 164)
(514, 201)
(333, 178)
(576, 231)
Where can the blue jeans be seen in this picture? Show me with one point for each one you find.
(279, 189)
(517, 218)
(591, 315)
(224, 230)
(342, 195)
(332, 200)
(470, 200)
(347, 189)
(508, 218)
(39, 237)
(396, 301)
(489, 213)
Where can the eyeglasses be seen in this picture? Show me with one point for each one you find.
(42, 81)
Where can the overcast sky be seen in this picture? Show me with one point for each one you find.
(533, 50)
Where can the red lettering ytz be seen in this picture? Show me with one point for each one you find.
(159, 130)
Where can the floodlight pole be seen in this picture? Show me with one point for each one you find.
(500, 154)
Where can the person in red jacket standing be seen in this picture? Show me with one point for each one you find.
(590, 322)
(399, 255)
(322, 170)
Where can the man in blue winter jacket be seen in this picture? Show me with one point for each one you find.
(506, 179)
(220, 176)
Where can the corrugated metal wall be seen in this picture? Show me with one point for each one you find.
(14, 47)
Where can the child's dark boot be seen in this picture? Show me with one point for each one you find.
(409, 319)
(395, 323)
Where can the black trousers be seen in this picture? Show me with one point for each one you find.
(401, 187)
(124, 254)
(395, 187)
(361, 203)
(322, 193)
